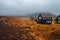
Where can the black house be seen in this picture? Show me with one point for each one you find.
(44, 20)
(58, 19)
(39, 19)
(47, 20)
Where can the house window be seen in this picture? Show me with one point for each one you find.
(58, 21)
(48, 21)
(58, 18)
(40, 17)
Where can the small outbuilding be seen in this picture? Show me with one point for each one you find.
(58, 19)
(40, 18)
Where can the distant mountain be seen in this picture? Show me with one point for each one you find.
(35, 15)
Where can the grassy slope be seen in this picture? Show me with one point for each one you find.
(16, 28)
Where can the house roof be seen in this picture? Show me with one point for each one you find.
(59, 16)
(45, 15)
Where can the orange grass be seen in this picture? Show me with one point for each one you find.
(16, 28)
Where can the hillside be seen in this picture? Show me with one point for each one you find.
(44, 14)
(16, 28)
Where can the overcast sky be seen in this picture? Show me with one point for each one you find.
(23, 7)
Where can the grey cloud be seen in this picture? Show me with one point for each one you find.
(23, 7)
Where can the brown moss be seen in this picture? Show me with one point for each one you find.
(16, 28)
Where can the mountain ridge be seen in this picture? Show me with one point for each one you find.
(44, 14)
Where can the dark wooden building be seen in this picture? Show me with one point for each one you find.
(58, 19)
(47, 20)
(44, 20)
(39, 19)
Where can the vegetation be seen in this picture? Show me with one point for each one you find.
(16, 28)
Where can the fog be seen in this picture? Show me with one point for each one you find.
(23, 7)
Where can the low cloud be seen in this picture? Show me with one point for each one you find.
(23, 7)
